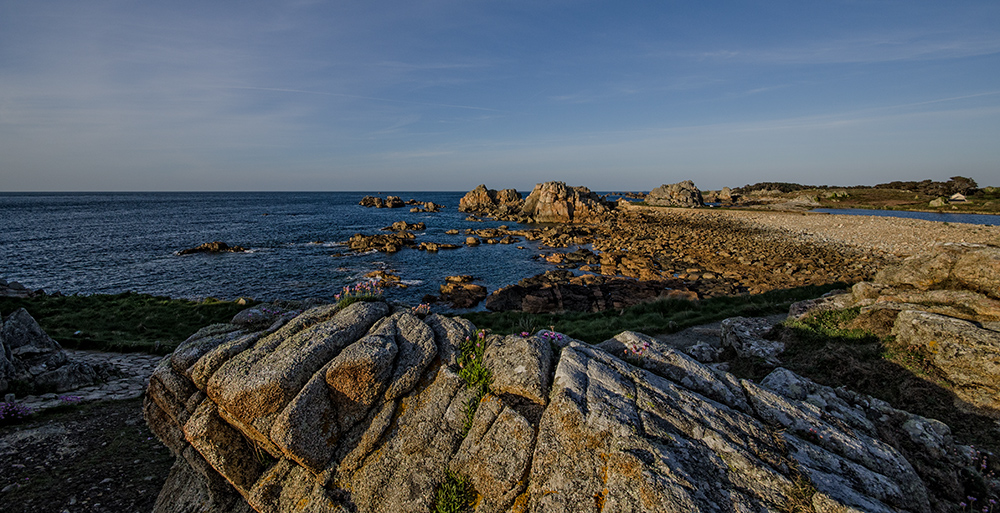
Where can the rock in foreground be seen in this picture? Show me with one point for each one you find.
(363, 409)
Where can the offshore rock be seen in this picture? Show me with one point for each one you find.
(483, 200)
(681, 194)
(213, 247)
(362, 409)
(554, 202)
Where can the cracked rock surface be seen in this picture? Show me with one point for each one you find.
(363, 409)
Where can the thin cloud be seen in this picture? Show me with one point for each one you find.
(360, 97)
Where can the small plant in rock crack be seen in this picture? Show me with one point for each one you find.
(474, 373)
(363, 291)
(454, 495)
(13, 412)
(470, 361)
(637, 350)
(421, 310)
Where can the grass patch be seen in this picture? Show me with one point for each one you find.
(455, 495)
(122, 322)
(659, 317)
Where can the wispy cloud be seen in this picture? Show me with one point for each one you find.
(860, 49)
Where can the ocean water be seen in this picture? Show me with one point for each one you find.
(90, 243)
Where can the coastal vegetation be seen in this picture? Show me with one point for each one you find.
(925, 195)
(122, 322)
(658, 317)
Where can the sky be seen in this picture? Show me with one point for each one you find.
(309, 95)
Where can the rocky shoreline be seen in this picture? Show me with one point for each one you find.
(372, 407)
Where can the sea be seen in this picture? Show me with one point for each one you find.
(105, 243)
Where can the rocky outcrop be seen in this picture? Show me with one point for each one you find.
(942, 303)
(681, 194)
(31, 362)
(376, 202)
(385, 243)
(554, 202)
(213, 247)
(489, 201)
(403, 226)
(460, 292)
(363, 409)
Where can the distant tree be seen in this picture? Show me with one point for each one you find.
(772, 186)
(962, 185)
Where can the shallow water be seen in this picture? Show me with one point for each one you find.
(984, 219)
(114, 242)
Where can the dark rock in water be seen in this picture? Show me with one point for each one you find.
(363, 409)
(388, 202)
(402, 226)
(488, 201)
(385, 243)
(213, 247)
(15, 289)
(461, 292)
(682, 194)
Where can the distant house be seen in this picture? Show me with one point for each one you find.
(957, 198)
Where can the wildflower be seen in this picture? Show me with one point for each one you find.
(524, 334)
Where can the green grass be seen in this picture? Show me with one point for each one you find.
(663, 316)
(455, 495)
(122, 322)
(474, 373)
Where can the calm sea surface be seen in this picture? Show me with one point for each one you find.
(985, 219)
(114, 242)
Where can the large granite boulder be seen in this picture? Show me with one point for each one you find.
(961, 266)
(943, 303)
(681, 194)
(365, 409)
(554, 202)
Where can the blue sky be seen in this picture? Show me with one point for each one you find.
(444, 95)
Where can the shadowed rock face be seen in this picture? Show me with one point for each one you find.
(943, 302)
(363, 409)
(32, 362)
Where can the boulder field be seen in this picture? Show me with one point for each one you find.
(365, 409)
